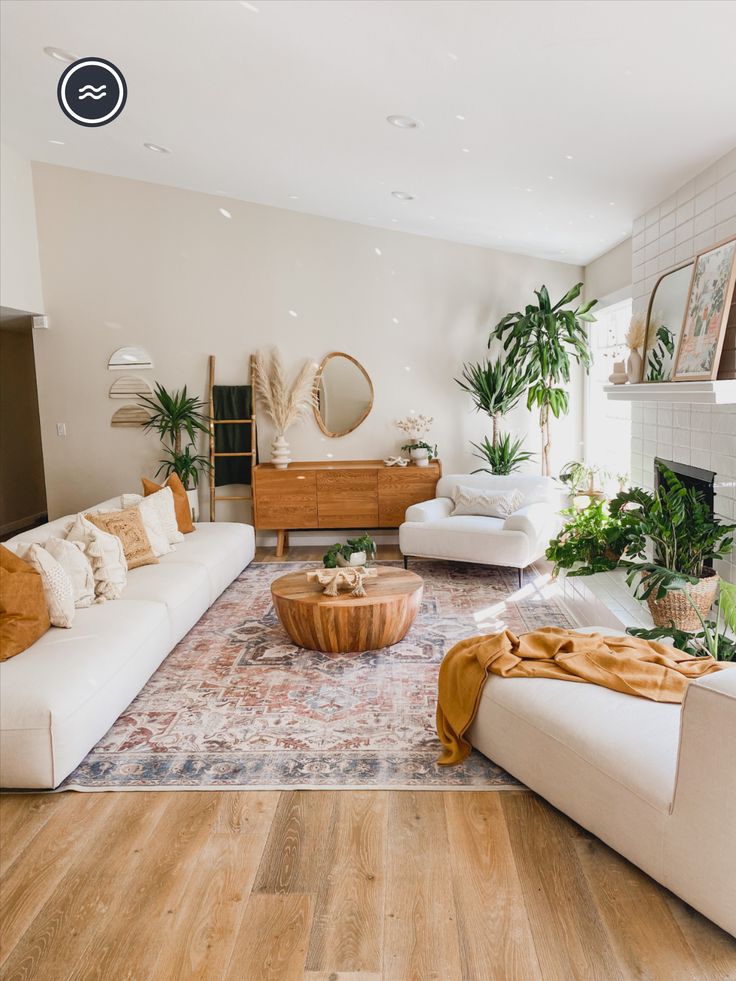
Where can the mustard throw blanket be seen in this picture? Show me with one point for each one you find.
(626, 664)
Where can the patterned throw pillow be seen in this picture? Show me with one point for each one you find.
(57, 586)
(181, 501)
(71, 557)
(128, 526)
(161, 504)
(106, 556)
(486, 503)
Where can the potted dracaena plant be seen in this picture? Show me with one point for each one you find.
(543, 341)
(174, 415)
(495, 388)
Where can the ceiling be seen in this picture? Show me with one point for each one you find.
(576, 116)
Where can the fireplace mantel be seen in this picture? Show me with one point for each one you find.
(695, 392)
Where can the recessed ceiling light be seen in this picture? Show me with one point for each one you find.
(395, 220)
(249, 6)
(568, 156)
(452, 56)
(224, 212)
(402, 122)
(528, 189)
(407, 367)
(550, 177)
(461, 118)
(591, 216)
(465, 149)
(57, 142)
(612, 204)
(569, 223)
(378, 252)
(293, 313)
(432, 218)
(157, 148)
(395, 320)
(293, 197)
(58, 54)
(402, 195)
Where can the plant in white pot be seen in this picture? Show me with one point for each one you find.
(416, 426)
(285, 402)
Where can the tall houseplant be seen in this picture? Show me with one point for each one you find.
(285, 402)
(174, 415)
(542, 341)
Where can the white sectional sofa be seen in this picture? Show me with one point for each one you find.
(656, 782)
(431, 531)
(59, 697)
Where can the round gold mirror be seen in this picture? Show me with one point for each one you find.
(344, 394)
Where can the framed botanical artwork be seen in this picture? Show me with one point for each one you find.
(706, 315)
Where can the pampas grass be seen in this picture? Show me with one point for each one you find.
(285, 403)
(636, 333)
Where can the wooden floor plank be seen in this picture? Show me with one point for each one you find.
(42, 864)
(647, 940)
(273, 938)
(293, 857)
(420, 931)
(129, 943)
(570, 940)
(76, 910)
(21, 817)
(341, 976)
(493, 927)
(199, 939)
(347, 928)
(248, 813)
(713, 948)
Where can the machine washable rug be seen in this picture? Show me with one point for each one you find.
(236, 705)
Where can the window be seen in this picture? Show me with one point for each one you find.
(608, 424)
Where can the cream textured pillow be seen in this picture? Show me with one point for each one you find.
(71, 557)
(487, 503)
(161, 504)
(57, 586)
(106, 555)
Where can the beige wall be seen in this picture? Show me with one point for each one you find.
(22, 492)
(128, 262)
(610, 272)
(20, 274)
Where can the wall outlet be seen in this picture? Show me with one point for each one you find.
(61, 429)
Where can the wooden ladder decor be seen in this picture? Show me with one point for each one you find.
(214, 455)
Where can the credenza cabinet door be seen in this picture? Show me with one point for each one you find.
(347, 498)
(398, 489)
(286, 499)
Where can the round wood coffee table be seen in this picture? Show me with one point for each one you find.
(345, 623)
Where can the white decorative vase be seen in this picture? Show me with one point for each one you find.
(193, 496)
(357, 558)
(619, 376)
(635, 367)
(280, 452)
(420, 457)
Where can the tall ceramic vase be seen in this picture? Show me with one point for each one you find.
(280, 452)
(635, 367)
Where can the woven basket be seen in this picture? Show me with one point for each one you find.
(675, 609)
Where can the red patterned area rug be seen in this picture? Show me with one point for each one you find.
(236, 705)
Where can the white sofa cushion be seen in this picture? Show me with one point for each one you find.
(60, 696)
(224, 548)
(466, 538)
(183, 588)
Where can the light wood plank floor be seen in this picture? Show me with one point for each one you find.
(338, 885)
(331, 886)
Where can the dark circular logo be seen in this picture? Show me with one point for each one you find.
(92, 92)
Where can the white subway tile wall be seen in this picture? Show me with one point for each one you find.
(700, 214)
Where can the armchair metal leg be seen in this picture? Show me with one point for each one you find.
(406, 561)
(521, 578)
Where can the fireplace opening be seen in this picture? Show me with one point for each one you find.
(702, 480)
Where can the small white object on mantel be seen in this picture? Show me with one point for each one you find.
(722, 392)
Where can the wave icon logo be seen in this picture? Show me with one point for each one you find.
(92, 92)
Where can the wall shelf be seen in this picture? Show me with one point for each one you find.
(695, 392)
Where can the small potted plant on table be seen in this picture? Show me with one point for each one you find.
(356, 551)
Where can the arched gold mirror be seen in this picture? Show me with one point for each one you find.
(665, 316)
(344, 394)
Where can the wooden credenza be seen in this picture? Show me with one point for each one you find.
(341, 494)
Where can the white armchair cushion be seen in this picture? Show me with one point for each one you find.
(534, 488)
(440, 507)
(539, 522)
(486, 502)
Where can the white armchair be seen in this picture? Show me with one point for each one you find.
(432, 531)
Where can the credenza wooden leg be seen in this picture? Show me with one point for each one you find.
(281, 541)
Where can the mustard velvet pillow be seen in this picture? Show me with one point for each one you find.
(128, 526)
(181, 501)
(24, 616)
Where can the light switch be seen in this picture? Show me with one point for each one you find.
(61, 429)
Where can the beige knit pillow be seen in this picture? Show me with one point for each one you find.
(127, 525)
(489, 504)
